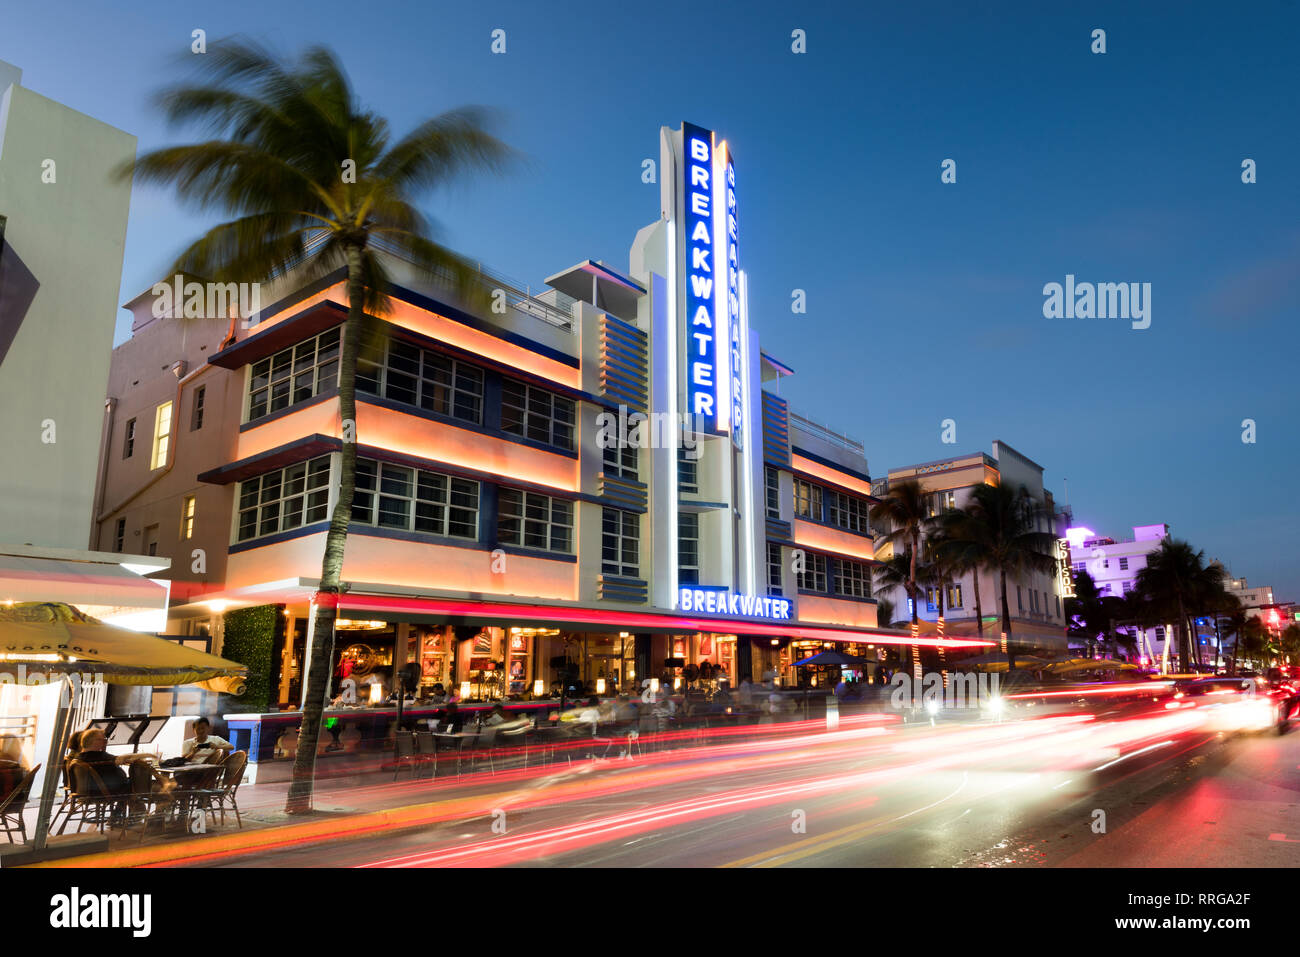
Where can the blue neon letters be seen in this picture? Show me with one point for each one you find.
(716, 601)
(702, 346)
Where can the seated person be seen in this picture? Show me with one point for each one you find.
(204, 747)
(107, 776)
(12, 766)
(504, 722)
(450, 720)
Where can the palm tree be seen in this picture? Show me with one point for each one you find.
(961, 558)
(1093, 615)
(903, 514)
(998, 530)
(1175, 580)
(311, 182)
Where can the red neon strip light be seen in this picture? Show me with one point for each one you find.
(629, 619)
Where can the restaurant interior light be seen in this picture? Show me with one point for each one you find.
(654, 685)
(376, 693)
(354, 624)
(600, 686)
(677, 684)
(539, 687)
(625, 634)
(464, 691)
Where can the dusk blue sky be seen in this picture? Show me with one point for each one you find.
(924, 300)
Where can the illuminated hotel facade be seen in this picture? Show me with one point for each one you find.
(499, 537)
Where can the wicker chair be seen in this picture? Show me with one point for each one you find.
(88, 802)
(13, 805)
(232, 776)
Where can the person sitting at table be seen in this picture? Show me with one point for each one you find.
(450, 721)
(12, 766)
(203, 747)
(108, 777)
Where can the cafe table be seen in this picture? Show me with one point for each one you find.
(185, 796)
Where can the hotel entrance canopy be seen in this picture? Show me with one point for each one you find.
(582, 618)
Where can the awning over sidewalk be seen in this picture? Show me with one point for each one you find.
(108, 590)
(453, 611)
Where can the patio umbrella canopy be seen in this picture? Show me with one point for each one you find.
(54, 637)
(832, 658)
(1088, 664)
(998, 662)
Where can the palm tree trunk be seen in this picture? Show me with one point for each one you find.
(916, 608)
(299, 800)
(1006, 621)
(979, 611)
(1184, 660)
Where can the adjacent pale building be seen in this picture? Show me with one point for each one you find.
(1037, 615)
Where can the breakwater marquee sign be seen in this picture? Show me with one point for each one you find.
(708, 233)
(723, 601)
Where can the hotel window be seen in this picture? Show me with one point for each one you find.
(534, 521)
(774, 586)
(1123, 564)
(688, 471)
(187, 518)
(413, 500)
(162, 435)
(294, 375)
(196, 411)
(119, 535)
(1020, 601)
(948, 500)
(813, 576)
(621, 462)
(807, 500)
(846, 511)
(852, 579)
(688, 548)
(620, 542)
(1080, 566)
(151, 540)
(772, 480)
(1160, 632)
(536, 414)
(287, 498)
(1127, 588)
(428, 380)
(128, 444)
(954, 595)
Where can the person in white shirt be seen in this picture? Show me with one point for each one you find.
(203, 747)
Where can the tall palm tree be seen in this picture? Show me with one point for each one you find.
(1174, 581)
(903, 514)
(961, 557)
(311, 182)
(998, 529)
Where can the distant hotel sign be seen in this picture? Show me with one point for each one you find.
(1066, 569)
(723, 601)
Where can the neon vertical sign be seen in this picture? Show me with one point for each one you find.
(703, 347)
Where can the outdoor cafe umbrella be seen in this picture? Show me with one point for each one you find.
(998, 662)
(1088, 664)
(832, 657)
(54, 638)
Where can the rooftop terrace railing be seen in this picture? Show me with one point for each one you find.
(518, 296)
(826, 433)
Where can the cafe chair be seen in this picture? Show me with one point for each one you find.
(149, 793)
(13, 804)
(232, 777)
(404, 743)
(482, 749)
(87, 803)
(426, 751)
